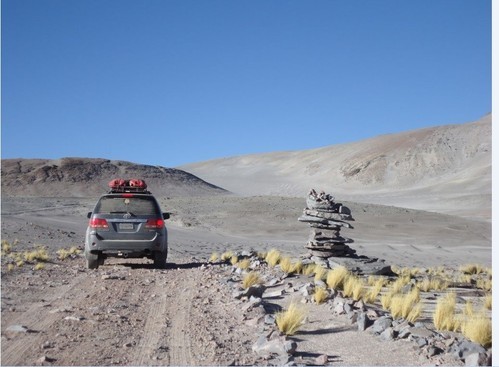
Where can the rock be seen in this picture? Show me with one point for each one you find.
(477, 359)
(381, 324)
(254, 321)
(404, 333)
(43, 360)
(74, 318)
(360, 305)
(362, 321)
(280, 346)
(388, 334)
(464, 348)
(18, 329)
(421, 332)
(339, 308)
(307, 290)
(321, 360)
(269, 319)
(274, 294)
(352, 316)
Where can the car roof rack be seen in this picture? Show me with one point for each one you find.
(134, 185)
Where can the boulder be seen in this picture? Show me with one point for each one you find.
(381, 324)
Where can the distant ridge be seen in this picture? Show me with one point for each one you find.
(445, 169)
(88, 177)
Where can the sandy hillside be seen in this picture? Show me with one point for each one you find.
(445, 169)
(84, 177)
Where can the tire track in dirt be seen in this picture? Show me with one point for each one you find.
(180, 310)
(18, 349)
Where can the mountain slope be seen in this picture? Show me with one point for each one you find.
(445, 169)
(88, 177)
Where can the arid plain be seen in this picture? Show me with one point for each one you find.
(419, 199)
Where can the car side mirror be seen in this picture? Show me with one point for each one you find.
(166, 215)
(89, 214)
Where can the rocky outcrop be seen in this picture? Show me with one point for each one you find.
(88, 177)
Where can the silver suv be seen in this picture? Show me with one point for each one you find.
(127, 223)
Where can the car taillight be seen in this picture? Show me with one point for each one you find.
(98, 223)
(155, 223)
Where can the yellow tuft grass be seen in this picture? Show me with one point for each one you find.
(234, 259)
(371, 295)
(472, 269)
(252, 278)
(320, 295)
(290, 267)
(39, 254)
(434, 283)
(487, 301)
(227, 255)
(320, 273)
(10, 267)
(406, 306)
(289, 321)
(386, 300)
(286, 265)
(39, 266)
(6, 247)
(478, 328)
(273, 257)
(244, 264)
(485, 284)
(444, 317)
(353, 287)
(214, 257)
(336, 277)
(20, 263)
(401, 281)
(261, 255)
(308, 269)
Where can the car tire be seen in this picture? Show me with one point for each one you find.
(160, 260)
(93, 260)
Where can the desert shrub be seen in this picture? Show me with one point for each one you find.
(444, 317)
(227, 255)
(286, 265)
(487, 301)
(252, 278)
(472, 269)
(353, 287)
(289, 321)
(273, 257)
(39, 254)
(406, 305)
(320, 295)
(386, 300)
(370, 296)
(478, 328)
(308, 269)
(434, 283)
(485, 284)
(320, 272)
(297, 267)
(214, 257)
(336, 277)
(6, 247)
(261, 255)
(244, 264)
(401, 281)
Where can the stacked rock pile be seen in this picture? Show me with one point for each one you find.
(327, 218)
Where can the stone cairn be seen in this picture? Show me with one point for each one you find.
(326, 218)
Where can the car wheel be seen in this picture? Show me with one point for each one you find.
(160, 260)
(93, 260)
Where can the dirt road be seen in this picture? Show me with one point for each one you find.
(127, 314)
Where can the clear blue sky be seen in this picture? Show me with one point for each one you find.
(168, 82)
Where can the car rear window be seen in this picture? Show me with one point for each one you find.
(137, 205)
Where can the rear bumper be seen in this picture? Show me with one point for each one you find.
(96, 244)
